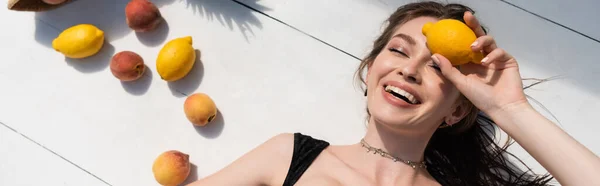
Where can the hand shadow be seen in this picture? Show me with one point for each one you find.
(139, 86)
(214, 128)
(154, 37)
(95, 63)
(188, 84)
(193, 176)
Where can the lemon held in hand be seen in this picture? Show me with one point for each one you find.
(452, 39)
(200, 109)
(176, 59)
(79, 41)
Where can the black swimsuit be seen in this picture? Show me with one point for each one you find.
(306, 150)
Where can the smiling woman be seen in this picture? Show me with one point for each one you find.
(427, 122)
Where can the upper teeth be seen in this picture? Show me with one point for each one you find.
(399, 91)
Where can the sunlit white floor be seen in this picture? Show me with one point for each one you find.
(70, 122)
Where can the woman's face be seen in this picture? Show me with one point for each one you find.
(405, 88)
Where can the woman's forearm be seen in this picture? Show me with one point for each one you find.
(567, 160)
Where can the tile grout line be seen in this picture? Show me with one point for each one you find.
(80, 168)
(504, 1)
(551, 21)
(288, 25)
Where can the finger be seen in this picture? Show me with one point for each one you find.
(449, 71)
(496, 56)
(486, 43)
(473, 23)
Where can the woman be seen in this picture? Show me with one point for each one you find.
(425, 125)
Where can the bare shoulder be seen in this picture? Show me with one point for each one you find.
(278, 151)
(281, 145)
(269, 163)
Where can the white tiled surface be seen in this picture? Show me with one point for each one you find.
(580, 15)
(23, 162)
(115, 130)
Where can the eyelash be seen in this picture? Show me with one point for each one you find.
(434, 66)
(398, 51)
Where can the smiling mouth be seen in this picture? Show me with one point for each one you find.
(401, 94)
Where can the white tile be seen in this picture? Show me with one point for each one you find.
(81, 112)
(580, 15)
(542, 48)
(266, 79)
(24, 163)
(350, 25)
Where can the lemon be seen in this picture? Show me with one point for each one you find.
(176, 59)
(452, 39)
(79, 41)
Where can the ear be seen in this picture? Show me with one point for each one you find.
(459, 111)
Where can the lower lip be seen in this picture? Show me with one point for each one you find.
(395, 101)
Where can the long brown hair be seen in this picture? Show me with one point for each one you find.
(466, 153)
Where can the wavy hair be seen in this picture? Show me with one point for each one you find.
(466, 153)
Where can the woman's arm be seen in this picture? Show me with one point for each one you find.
(566, 159)
(496, 88)
(267, 164)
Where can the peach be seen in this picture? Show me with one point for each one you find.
(54, 2)
(127, 66)
(142, 15)
(200, 109)
(171, 168)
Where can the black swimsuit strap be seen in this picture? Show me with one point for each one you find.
(306, 150)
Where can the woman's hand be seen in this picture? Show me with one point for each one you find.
(493, 85)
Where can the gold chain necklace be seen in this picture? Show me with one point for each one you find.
(412, 164)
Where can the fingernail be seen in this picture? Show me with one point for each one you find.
(435, 60)
(484, 60)
(474, 44)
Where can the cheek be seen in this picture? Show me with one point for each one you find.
(382, 66)
(442, 94)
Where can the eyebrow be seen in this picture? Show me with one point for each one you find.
(407, 38)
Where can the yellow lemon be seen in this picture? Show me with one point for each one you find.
(176, 59)
(452, 39)
(79, 41)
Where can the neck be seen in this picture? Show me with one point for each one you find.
(406, 145)
(402, 144)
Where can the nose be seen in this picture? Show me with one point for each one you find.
(410, 73)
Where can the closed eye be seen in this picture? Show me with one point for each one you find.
(436, 67)
(398, 51)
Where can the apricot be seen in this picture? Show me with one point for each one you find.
(142, 15)
(171, 168)
(127, 66)
(200, 109)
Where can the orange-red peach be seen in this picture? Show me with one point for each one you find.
(54, 2)
(127, 66)
(171, 168)
(142, 15)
